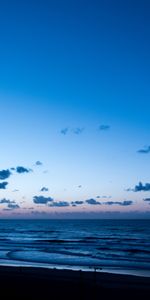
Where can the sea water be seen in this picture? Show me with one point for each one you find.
(121, 246)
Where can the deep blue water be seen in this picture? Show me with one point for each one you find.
(112, 245)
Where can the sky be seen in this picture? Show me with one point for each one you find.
(74, 109)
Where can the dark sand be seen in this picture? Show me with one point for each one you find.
(40, 283)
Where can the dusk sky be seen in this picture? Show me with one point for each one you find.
(74, 108)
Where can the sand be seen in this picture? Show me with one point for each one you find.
(42, 283)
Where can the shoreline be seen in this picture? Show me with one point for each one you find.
(98, 269)
(41, 282)
(111, 270)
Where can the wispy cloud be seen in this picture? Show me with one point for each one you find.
(103, 197)
(124, 203)
(45, 172)
(38, 163)
(7, 201)
(74, 203)
(64, 131)
(3, 185)
(44, 189)
(27, 208)
(104, 127)
(77, 130)
(59, 204)
(92, 202)
(4, 174)
(145, 150)
(42, 200)
(38, 213)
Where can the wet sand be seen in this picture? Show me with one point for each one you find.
(41, 283)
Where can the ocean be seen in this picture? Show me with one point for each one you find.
(118, 246)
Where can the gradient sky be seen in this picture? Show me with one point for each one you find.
(75, 96)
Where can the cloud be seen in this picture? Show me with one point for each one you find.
(21, 170)
(45, 172)
(4, 174)
(36, 212)
(10, 204)
(13, 206)
(129, 190)
(38, 163)
(104, 197)
(141, 187)
(92, 202)
(74, 203)
(27, 208)
(77, 130)
(6, 201)
(44, 189)
(64, 131)
(59, 204)
(3, 185)
(124, 203)
(42, 199)
(110, 203)
(144, 151)
(104, 127)
(146, 199)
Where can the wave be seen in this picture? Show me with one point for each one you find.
(65, 259)
(56, 241)
(98, 242)
(124, 250)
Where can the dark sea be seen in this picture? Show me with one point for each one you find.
(119, 246)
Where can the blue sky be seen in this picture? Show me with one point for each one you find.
(74, 95)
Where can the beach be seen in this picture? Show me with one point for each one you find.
(41, 283)
(74, 259)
